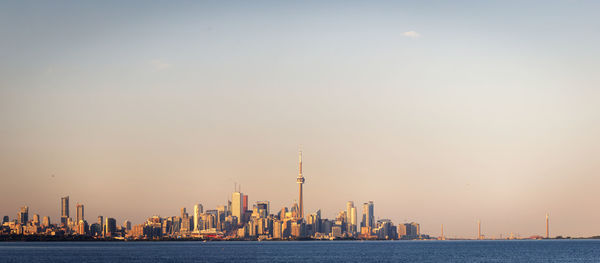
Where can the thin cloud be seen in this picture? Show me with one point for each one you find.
(411, 34)
(159, 65)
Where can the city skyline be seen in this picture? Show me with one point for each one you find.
(438, 112)
(238, 207)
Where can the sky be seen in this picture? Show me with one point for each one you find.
(441, 112)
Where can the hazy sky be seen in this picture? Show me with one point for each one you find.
(441, 112)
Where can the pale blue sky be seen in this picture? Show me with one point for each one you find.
(439, 111)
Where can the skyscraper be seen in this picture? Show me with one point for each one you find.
(101, 223)
(245, 203)
(110, 226)
(64, 211)
(237, 206)
(300, 181)
(353, 219)
(46, 221)
(197, 211)
(368, 215)
(351, 216)
(79, 212)
(36, 219)
(23, 215)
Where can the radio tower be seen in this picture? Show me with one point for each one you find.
(300, 181)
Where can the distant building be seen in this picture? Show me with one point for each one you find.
(80, 212)
(46, 221)
(36, 219)
(277, 229)
(409, 231)
(110, 227)
(127, 225)
(351, 217)
(237, 206)
(101, 224)
(64, 211)
(368, 219)
(23, 215)
(264, 206)
(197, 221)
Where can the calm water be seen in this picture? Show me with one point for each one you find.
(319, 251)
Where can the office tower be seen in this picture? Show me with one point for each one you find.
(127, 225)
(79, 212)
(237, 206)
(5, 219)
(36, 219)
(46, 221)
(264, 206)
(64, 211)
(182, 211)
(547, 227)
(300, 181)
(245, 204)
(23, 215)
(351, 217)
(82, 227)
(197, 211)
(368, 219)
(478, 229)
(101, 223)
(110, 226)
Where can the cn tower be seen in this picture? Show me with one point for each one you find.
(300, 181)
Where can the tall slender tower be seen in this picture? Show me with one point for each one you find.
(300, 181)
(547, 227)
(478, 229)
(443, 238)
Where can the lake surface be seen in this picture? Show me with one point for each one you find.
(305, 251)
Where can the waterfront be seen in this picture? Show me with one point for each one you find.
(305, 251)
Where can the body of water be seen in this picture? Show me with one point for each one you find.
(305, 251)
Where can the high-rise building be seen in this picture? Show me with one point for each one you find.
(264, 207)
(351, 217)
(101, 223)
(5, 219)
(245, 203)
(23, 215)
(36, 219)
(237, 206)
(110, 226)
(300, 181)
(368, 219)
(46, 221)
(64, 211)
(80, 212)
(127, 225)
(197, 211)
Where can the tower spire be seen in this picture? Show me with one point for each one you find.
(300, 181)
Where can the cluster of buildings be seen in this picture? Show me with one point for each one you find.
(24, 225)
(233, 221)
